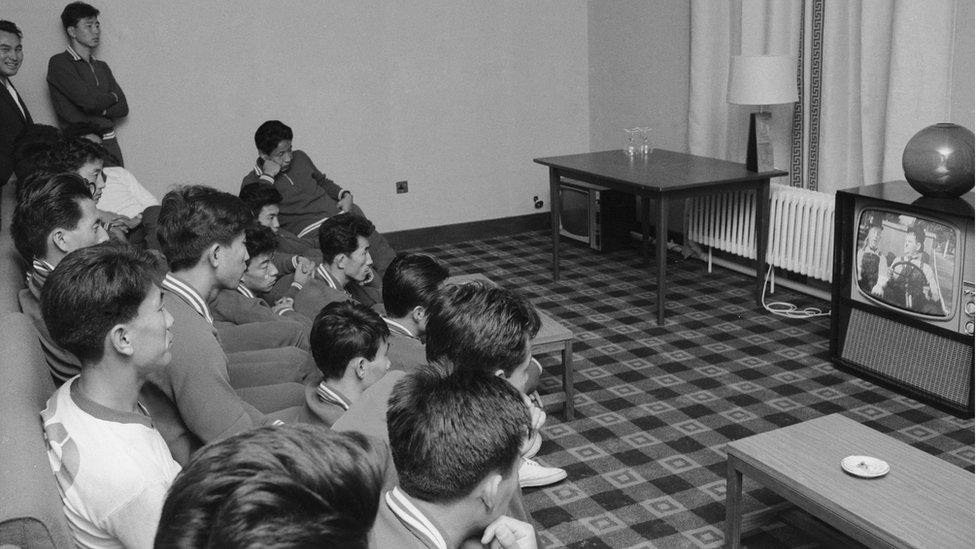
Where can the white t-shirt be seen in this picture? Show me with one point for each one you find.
(123, 194)
(113, 469)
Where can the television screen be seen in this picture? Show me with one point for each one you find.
(907, 262)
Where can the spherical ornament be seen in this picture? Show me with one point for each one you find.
(938, 160)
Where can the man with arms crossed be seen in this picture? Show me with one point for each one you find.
(112, 465)
(83, 88)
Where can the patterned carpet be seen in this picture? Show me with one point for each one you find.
(656, 405)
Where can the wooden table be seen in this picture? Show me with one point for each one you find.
(922, 502)
(661, 176)
(552, 336)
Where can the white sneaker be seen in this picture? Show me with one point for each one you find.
(533, 474)
(532, 446)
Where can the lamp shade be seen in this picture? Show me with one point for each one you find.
(762, 80)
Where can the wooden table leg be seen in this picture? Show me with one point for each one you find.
(733, 504)
(645, 205)
(662, 255)
(762, 235)
(554, 207)
(568, 387)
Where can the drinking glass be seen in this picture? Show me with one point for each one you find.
(645, 146)
(632, 145)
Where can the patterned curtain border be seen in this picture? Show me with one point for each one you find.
(816, 87)
(796, 128)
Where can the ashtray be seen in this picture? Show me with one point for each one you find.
(865, 466)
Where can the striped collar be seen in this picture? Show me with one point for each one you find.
(413, 519)
(74, 55)
(399, 328)
(313, 227)
(186, 292)
(245, 291)
(331, 396)
(324, 274)
(39, 272)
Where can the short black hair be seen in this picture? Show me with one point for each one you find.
(477, 325)
(30, 146)
(81, 129)
(75, 12)
(69, 154)
(280, 487)
(411, 281)
(339, 235)
(259, 195)
(487, 419)
(342, 331)
(11, 27)
(918, 232)
(270, 134)
(259, 240)
(93, 289)
(48, 204)
(194, 217)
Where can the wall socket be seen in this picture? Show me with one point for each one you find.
(401, 187)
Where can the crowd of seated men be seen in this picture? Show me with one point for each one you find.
(261, 369)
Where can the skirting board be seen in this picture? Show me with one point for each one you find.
(459, 232)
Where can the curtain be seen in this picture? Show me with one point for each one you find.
(870, 73)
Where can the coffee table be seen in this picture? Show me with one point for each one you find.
(922, 502)
(552, 336)
(661, 176)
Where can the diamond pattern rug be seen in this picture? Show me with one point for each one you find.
(655, 405)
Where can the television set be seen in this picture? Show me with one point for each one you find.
(903, 292)
(596, 216)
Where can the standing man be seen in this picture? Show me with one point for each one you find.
(82, 87)
(14, 116)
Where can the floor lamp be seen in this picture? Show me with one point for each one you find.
(761, 80)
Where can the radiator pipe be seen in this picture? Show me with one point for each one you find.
(750, 271)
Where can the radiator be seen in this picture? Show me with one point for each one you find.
(801, 227)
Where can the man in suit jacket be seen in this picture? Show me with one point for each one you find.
(14, 116)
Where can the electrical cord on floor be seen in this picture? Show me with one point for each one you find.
(787, 310)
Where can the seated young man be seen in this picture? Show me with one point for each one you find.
(408, 286)
(475, 326)
(56, 216)
(244, 304)
(111, 463)
(309, 197)
(454, 484)
(123, 194)
(346, 264)
(201, 231)
(469, 310)
(288, 487)
(246, 323)
(349, 343)
(263, 200)
(85, 158)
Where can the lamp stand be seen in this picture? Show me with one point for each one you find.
(759, 152)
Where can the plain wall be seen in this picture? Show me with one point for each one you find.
(962, 98)
(640, 54)
(639, 57)
(455, 97)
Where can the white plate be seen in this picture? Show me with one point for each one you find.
(865, 466)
